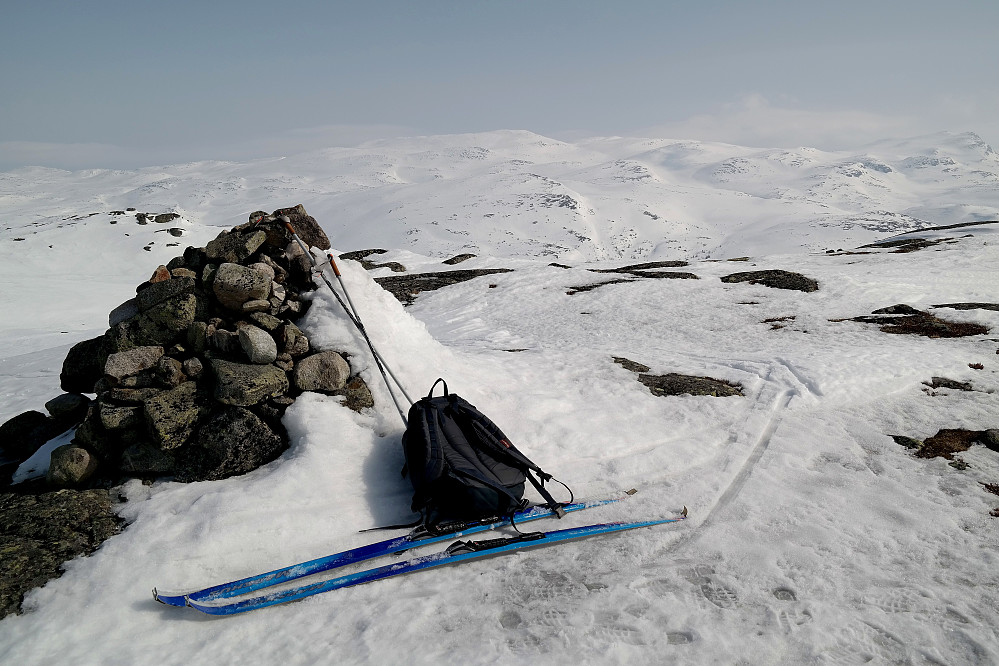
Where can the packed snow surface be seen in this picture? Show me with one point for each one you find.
(812, 536)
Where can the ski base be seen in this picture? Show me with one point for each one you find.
(416, 538)
(457, 553)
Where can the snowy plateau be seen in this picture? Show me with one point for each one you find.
(812, 537)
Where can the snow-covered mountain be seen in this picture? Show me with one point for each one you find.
(813, 537)
(506, 194)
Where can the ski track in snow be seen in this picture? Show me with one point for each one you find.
(812, 538)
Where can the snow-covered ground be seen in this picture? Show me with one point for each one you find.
(812, 538)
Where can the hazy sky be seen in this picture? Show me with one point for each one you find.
(109, 83)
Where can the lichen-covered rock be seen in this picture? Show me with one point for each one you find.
(357, 395)
(243, 385)
(234, 285)
(161, 291)
(293, 340)
(172, 416)
(40, 532)
(70, 466)
(128, 363)
(234, 246)
(258, 344)
(324, 372)
(232, 441)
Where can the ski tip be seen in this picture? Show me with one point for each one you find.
(156, 595)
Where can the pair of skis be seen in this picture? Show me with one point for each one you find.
(238, 596)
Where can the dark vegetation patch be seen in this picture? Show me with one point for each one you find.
(675, 384)
(969, 306)
(642, 267)
(944, 383)
(906, 245)
(904, 319)
(458, 259)
(776, 279)
(633, 366)
(777, 323)
(948, 441)
(407, 287)
(591, 287)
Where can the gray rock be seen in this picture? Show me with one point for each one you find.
(172, 416)
(244, 385)
(162, 324)
(990, 438)
(125, 311)
(262, 267)
(70, 466)
(127, 363)
(293, 340)
(235, 285)
(306, 226)
(260, 305)
(326, 372)
(357, 395)
(118, 417)
(170, 372)
(197, 337)
(233, 441)
(234, 246)
(68, 408)
(193, 367)
(131, 396)
(269, 323)
(83, 366)
(258, 344)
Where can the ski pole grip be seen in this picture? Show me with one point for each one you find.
(287, 225)
(336, 271)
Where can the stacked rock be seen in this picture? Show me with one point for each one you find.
(195, 372)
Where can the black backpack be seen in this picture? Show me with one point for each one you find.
(461, 464)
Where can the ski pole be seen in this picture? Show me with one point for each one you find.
(351, 313)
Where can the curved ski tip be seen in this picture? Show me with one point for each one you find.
(631, 492)
(684, 512)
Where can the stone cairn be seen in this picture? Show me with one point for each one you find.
(195, 372)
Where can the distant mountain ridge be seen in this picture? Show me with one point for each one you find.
(519, 194)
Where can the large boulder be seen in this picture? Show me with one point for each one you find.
(243, 384)
(83, 366)
(234, 285)
(324, 372)
(131, 362)
(233, 441)
(306, 226)
(235, 246)
(171, 416)
(258, 344)
(70, 466)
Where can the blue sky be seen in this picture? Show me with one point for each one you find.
(111, 83)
